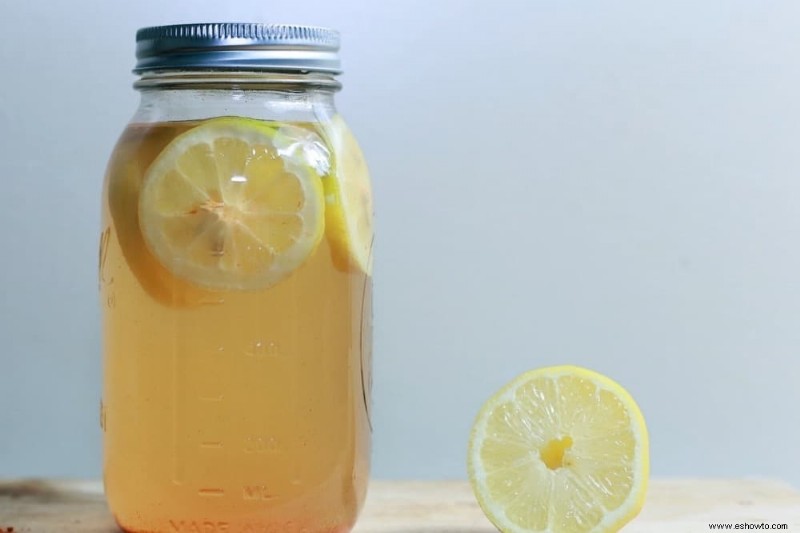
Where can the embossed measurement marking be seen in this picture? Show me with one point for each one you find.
(217, 398)
(211, 492)
(256, 492)
(262, 348)
(199, 526)
(261, 443)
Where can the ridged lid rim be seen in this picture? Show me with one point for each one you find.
(238, 45)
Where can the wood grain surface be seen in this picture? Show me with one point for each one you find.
(674, 506)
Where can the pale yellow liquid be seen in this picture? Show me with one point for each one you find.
(228, 411)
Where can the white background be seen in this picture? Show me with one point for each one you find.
(613, 184)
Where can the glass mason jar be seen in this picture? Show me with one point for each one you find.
(235, 274)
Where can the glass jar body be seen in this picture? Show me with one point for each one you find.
(234, 406)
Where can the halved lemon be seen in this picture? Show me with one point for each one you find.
(227, 206)
(559, 450)
(348, 197)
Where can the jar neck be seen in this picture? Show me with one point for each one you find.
(196, 95)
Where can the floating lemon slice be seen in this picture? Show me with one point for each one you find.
(348, 197)
(559, 450)
(227, 206)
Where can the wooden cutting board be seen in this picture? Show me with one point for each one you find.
(673, 506)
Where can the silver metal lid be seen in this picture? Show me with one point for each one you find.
(238, 46)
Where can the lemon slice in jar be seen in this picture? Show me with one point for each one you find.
(348, 197)
(226, 206)
(560, 450)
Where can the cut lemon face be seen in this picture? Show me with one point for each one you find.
(559, 450)
(227, 205)
(348, 197)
